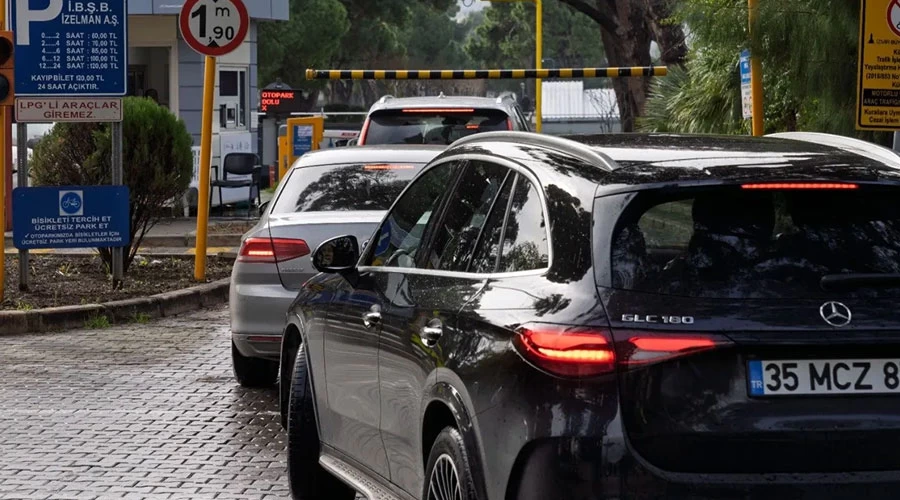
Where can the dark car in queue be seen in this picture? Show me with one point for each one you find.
(326, 193)
(610, 317)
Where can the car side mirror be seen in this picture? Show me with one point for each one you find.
(337, 255)
(263, 208)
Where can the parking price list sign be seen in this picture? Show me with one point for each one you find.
(70, 47)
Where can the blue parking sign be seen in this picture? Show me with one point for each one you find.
(71, 217)
(303, 136)
(72, 48)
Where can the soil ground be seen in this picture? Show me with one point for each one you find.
(62, 280)
(230, 227)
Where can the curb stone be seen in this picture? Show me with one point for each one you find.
(156, 306)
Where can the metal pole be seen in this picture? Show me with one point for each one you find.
(22, 166)
(118, 179)
(209, 83)
(756, 87)
(539, 52)
(3, 173)
(897, 142)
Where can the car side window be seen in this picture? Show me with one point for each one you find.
(488, 250)
(525, 245)
(523, 122)
(456, 235)
(399, 238)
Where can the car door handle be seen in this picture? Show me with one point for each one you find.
(432, 333)
(372, 319)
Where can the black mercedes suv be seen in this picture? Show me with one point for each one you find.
(609, 317)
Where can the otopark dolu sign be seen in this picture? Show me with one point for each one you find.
(214, 27)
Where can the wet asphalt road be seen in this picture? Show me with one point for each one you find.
(136, 411)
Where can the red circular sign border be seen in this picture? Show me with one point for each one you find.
(243, 28)
(890, 24)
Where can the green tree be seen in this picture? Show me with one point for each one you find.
(157, 161)
(506, 38)
(808, 50)
(627, 28)
(310, 39)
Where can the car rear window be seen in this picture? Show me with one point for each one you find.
(344, 187)
(432, 126)
(764, 243)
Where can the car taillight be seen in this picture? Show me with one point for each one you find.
(439, 110)
(272, 250)
(635, 349)
(572, 352)
(800, 185)
(509, 124)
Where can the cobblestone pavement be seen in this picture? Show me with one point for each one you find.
(137, 411)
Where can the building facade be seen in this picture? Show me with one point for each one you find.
(160, 64)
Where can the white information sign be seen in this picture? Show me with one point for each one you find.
(68, 109)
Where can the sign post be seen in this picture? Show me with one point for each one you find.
(71, 66)
(878, 89)
(213, 28)
(4, 111)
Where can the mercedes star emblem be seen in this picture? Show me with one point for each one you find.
(835, 314)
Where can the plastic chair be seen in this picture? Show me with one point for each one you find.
(239, 164)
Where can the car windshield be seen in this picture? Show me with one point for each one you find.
(729, 243)
(432, 126)
(344, 187)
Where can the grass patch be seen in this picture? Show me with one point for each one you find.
(141, 318)
(97, 322)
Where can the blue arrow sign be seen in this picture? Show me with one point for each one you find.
(71, 48)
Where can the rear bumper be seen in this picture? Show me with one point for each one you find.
(258, 318)
(597, 468)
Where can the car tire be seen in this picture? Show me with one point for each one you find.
(253, 372)
(448, 468)
(285, 377)
(307, 479)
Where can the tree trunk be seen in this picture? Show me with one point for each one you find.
(310, 99)
(342, 91)
(628, 46)
(668, 35)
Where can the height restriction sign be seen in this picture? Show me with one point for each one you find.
(214, 27)
(878, 91)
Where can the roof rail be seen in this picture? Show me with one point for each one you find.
(850, 144)
(569, 146)
(385, 98)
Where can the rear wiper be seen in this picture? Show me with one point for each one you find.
(859, 280)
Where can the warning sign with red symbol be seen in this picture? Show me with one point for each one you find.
(214, 27)
(878, 90)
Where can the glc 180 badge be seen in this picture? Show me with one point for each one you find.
(655, 318)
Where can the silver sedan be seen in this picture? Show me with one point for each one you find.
(326, 193)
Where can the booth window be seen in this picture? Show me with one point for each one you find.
(233, 98)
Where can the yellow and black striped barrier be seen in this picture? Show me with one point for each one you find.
(475, 74)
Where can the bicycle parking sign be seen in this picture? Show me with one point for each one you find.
(71, 217)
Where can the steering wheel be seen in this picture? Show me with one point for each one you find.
(400, 252)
